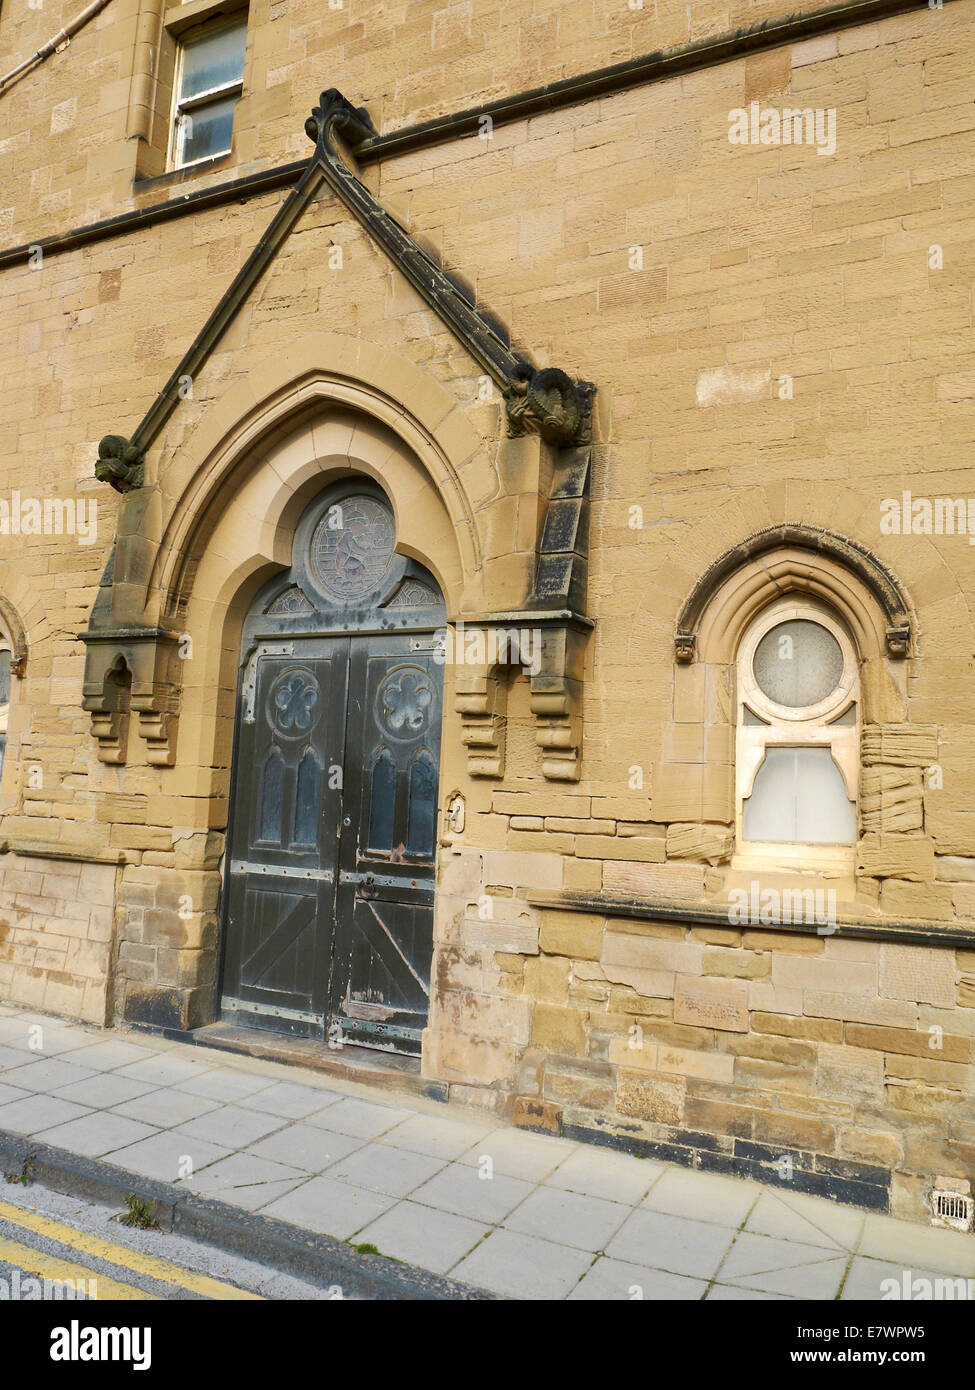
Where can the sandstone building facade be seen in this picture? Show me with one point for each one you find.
(485, 560)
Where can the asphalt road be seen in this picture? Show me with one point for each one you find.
(47, 1236)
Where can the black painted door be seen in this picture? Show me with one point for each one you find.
(329, 925)
(283, 841)
(384, 909)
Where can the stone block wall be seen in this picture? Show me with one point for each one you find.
(758, 264)
(56, 935)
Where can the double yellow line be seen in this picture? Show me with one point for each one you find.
(51, 1267)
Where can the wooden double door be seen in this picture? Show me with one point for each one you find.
(328, 925)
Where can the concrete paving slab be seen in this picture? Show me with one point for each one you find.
(521, 1266)
(809, 1220)
(870, 1279)
(440, 1137)
(702, 1196)
(165, 1156)
(585, 1223)
(164, 1070)
(421, 1235)
(460, 1188)
(306, 1147)
(96, 1134)
(105, 1056)
(782, 1266)
(103, 1090)
(244, 1179)
(47, 1075)
(672, 1243)
(9, 1093)
(291, 1100)
(597, 1172)
(331, 1208)
(916, 1247)
(165, 1106)
(610, 1280)
(362, 1118)
(225, 1085)
(519, 1155)
(395, 1172)
(233, 1125)
(36, 1112)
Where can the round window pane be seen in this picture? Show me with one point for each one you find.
(798, 663)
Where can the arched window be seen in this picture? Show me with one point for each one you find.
(797, 739)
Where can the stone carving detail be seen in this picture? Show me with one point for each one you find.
(110, 713)
(120, 463)
(137, 670)
(352, 123)
(685, 644)
(351, 549)
(550, 403)
(293, 602)
(899, 639)
(556, 701)
(479, 700)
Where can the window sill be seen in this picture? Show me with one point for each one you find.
(174, 177)
(705, 915)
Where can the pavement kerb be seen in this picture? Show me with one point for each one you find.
(303, 1254)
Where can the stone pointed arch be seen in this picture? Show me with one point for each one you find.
(795, 558)
(215, 514)
(368, 393)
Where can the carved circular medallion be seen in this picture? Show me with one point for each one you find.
(405, 702)
(292, 702)
(351, 549)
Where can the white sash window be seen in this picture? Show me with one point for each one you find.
(798, 738)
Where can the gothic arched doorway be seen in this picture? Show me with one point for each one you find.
(328, 917)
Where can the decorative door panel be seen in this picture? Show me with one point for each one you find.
(284, 839)
(384, 928)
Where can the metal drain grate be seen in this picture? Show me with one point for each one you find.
(953, 1210)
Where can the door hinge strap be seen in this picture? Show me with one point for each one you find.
(383, 880)
(243, 866)
(244, 1006)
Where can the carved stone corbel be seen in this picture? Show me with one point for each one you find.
(898, 636)
(132, 669)
(551, 404)
(685, 645)
(158, 728)
(108, 705)
(479, 700)
(556, 702)
(120, 463)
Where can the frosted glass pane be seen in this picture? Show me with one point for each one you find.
(847, 717)
(749, 718)
(798, 663)
(208, 130)
(799, 797)
(214, 61)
